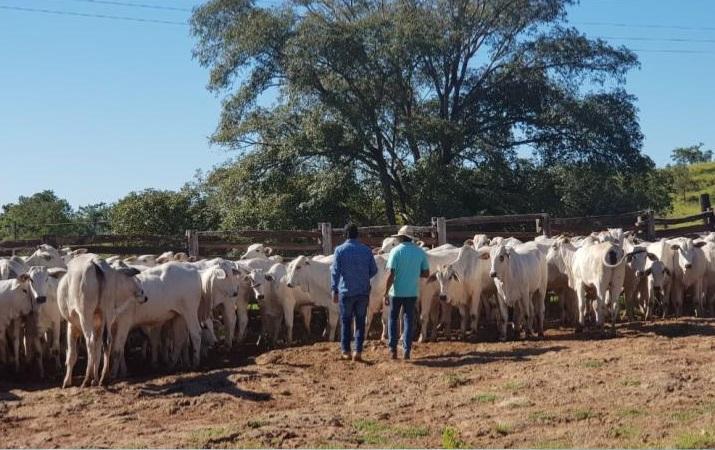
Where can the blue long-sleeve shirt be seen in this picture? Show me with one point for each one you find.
(353, 266)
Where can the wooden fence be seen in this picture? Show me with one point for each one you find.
(324, 238)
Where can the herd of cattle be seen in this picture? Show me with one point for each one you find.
(176, 303)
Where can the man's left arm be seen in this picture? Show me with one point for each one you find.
(372, 266)
(335, 273)
(424, 266)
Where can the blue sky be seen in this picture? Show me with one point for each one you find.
(95, 108)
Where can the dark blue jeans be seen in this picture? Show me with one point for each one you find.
(407, 305)
(353, 307)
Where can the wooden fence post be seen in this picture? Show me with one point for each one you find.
(326, 229)
(543, 225)
(440, 223)
(706, 207)
(192, 243)
(650, 226)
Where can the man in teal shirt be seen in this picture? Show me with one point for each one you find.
(407, 263)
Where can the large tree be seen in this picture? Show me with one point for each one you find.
(39, 214)
(400, 88)
(691, 155)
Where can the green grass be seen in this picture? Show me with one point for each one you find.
(592, 364)
(372, 432)
(450, 438)
(693, 439)
(484, 398)
(255, 423)
(624, 432)
(630, 383)
(631, 412)
(454, 380)
(503, 428)
(553, 443)
(204, 437)
(703, 176)
(542, 417)
(515, 385)
(584, 414)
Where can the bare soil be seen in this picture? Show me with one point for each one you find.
(653, 385)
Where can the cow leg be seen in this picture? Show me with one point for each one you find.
(425, 313)
(463, 321)
(192, 322)
(154, 335)
(582, 307)
(539, 307)
(107, 357)
(16, 338)
(40, 354)
(229, 321)
(119, 366)
(698, 299)
(288, 317)
(475, 307)
(73, 334)
(332, 323)
(504, 312)
(3, 347)
(613, 290)
(242, 314)
(55, 349)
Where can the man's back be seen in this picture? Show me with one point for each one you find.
(353, 266)
(407, 261)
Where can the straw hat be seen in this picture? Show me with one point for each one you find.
(405, 231)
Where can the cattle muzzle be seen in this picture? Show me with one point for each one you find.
(260, 297)
(688, 266)
(40, 300)
(290, 285)
(443, 297)
(493, 274)
(144, 299)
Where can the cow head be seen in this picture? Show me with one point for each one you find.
(261, 283)
(46, 256)
(129, 287)
(447, 278)
(257, 251)
(146, 260)
(657, 275)
(500, 256)
(687, 250)
(388, 244)
(297, 276)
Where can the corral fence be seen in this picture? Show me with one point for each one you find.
(324, 238)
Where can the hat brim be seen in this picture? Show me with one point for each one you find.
(404, 235)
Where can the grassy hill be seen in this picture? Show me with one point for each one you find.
(703, 175)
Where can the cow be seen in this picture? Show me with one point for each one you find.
(520, 274)
(709, 278)
(222, 288)
(657, 275)
(49, 320)
(313, 277)
(19, 297)
(175, 290)
(257, 251)
(599, 266)
(90, 296)
(429, 292)
(276, 301)
(12, 267)
(46, 256)
(463, 282)
(689, 267)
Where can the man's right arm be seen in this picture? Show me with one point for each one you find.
(388, 286)
(424, 266)
(335, 274)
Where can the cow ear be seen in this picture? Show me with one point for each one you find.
(23, 278)
(128, 271)
(699, 243)
(269, 251)
(57, 272)
(652, 257)
(220, 273)
(648, 272)
(455, 277)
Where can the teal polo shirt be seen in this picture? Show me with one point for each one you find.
(407, 261)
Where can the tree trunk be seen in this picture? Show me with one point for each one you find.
(387, 193)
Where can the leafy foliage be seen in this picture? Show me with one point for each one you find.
(39, 214)
(691, 155)
(422, 99)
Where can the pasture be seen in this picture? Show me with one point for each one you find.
(650, 386)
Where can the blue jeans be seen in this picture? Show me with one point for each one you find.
(407, 304)
(353, 307)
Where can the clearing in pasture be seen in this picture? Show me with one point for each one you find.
(652, 386)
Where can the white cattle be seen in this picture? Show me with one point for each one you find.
(709, 278)
(90, 297)
(657, 276)
(429, 291)
(689, 267)
(313, 278)
(558, 276)
(599, 266)
(68, 254)
(479, 241)
(276, 300)
(463, 282)
(221, 288)
(18, 298)
(520, 274)
(175, 290)
(257, 251)
(46, 256)
(49, 319)
(12, 267)
(635, 282)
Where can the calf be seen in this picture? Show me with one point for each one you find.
(690, 266)
(313, 278)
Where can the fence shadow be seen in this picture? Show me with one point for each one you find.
(199, 384)
(681, 328)
(454, 359)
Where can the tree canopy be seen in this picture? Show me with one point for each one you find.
(411, 94)
(691, 155)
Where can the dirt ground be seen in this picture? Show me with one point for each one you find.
(651, 386)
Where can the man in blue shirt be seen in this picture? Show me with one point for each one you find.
(353, 266)
(407, 263)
